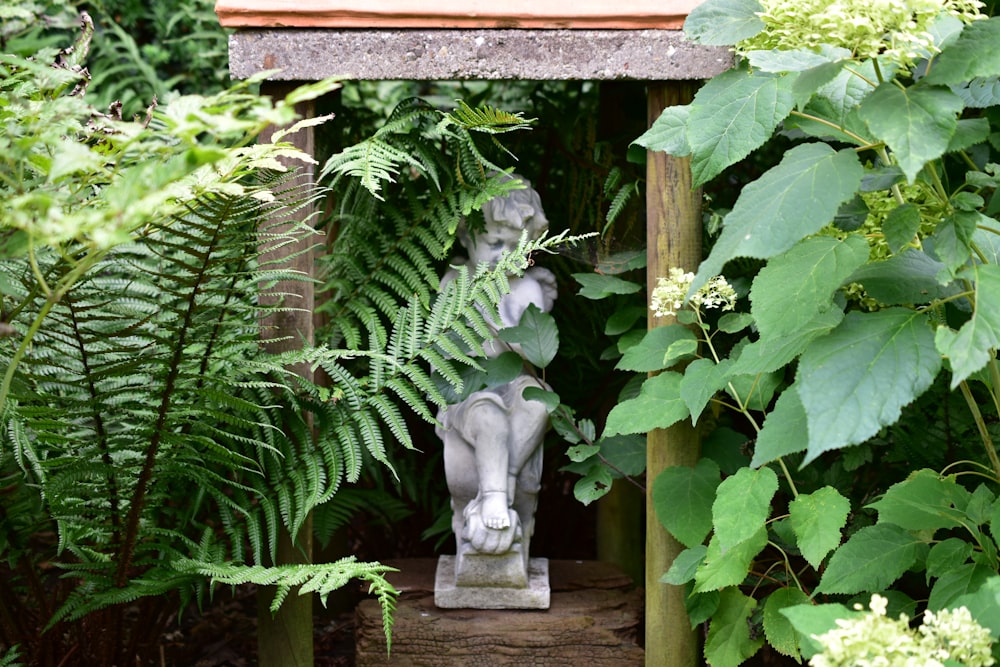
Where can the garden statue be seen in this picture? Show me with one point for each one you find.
(492, 440)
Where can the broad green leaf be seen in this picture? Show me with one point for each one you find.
(817, 519)
(946, 555)
(701, 606)
(668, 133)
(792, 200)
(732, 115)
(658, 405)
(871, 560)
(778, 629)
(979, 505)
(953, 237)
(973, 54)
(685, 565)
(742, 505)
(548, 398)
(923, 501)
(703, 379)
(900, 226)
(836, 101)
(856, 379)
(725, 446)
(770, 354)
(960, 580)
(798, 285)
(599, 286)
(907, 278)
(594, 485)
(728, 641)
(980, 93)
(813, 620)
(537, 334)
(624, 319)
(650, 354)
(973, 345)
(723, 22)
(754, 392)
(683, 497)
(917, 123)
(728, 568)
(797, 60)
(984, 604)
(578, 453)
(627, 453)
(784, 431)
(968, 133)
(734, 322)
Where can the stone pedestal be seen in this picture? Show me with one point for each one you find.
(534, 593)
(594, 618)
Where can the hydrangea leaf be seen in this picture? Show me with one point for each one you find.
(856, 379)
(907, 278)
(973, 54)
(817, 519)
(732, 115)
(742, 505)
(945, 555)
(792, 200)
(812, 620)
(599, 286)
(956, 582)
(728, 568)
(800, 283)
(658, 405)
(871, 560)
(971, 347)
(917, 123)
(682, 499)
(770, 354)
(685, 565)
(923, 501)
(650, 353)
(979, 93)
(703, 378)
(537, 334)
(785, 430)
(728, 641)
(778, 628)
(901, 226)
(723, 22)
(668, 133)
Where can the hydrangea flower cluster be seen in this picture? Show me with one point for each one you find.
(669, 294)
(896, 30)
(874, 640)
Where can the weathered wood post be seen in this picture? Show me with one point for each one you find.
(285, 639)
(673, 237)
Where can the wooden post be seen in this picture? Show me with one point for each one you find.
(285, 639)
(673, 236)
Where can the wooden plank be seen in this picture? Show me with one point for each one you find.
(673, 236)
(632, 14)
(594, 619)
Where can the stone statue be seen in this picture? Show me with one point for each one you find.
(492, 440)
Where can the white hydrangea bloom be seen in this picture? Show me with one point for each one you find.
(896, 30)
(875, 640)
(669, 294)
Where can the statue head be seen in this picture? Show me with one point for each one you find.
(507, 218)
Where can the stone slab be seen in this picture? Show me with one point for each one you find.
(594, 619)
(482, 54)
(448, 594)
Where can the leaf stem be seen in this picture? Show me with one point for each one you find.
(991, 452)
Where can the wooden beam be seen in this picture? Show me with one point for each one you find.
(285, 639)
(673, 236)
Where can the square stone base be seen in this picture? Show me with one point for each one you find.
(449, 595)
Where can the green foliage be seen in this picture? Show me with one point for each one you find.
(861, 362)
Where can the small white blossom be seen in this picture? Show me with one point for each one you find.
(874, 640)
(669, 294)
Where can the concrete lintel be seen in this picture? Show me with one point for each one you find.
(482, 54)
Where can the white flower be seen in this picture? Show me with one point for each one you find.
(669, 294)
(874, 640)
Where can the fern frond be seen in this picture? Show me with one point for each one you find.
(488, 119)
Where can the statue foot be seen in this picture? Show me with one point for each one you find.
(494, 510)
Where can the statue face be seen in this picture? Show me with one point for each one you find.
(506, 219)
